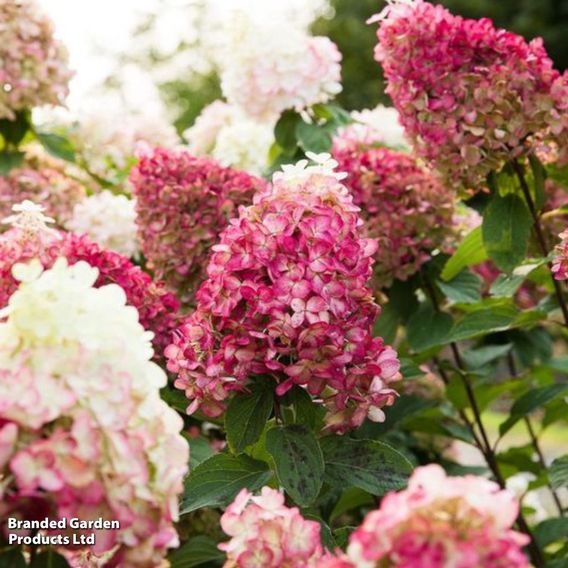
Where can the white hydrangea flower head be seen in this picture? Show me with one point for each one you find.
(266, 69)
(231, 137)
(380, 125)
(109, 220)
(108, 140)
(80, 402)
(202, 136)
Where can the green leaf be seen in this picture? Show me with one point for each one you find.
(174, 398)
(247, 414)
(285, 131)
(367, 464)
(332, 113)
(9, 161)
(342, 536)
(530, 401)
(506, 229)
(352, 498)
(49, 559)
(216, 481)
(57, 146)
(196, 552)
(305, 410)
(558, 472)
(406, 406)
(471, 251)
(199, 451)
(298, 460)
(551, 530)
(475, 358)
(482, 322)
(313, 137)
(458, 432)
(427, 328)
(506, 285)
(14, 131)
(463, 288)
(387, 323)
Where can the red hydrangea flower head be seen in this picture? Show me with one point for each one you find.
(183, 203)
(286, 298)
(404, 206)
(470, 96)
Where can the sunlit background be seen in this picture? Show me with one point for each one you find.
(156, 56)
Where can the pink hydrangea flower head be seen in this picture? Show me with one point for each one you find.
(183, 203)
(404, 206)
(439, 522)
(286, 298)
(34, 65)
(84, 432)
(470, 96)
(269, 67)
(31, 238)
(560, 263)
(265, 533)
(41, 179)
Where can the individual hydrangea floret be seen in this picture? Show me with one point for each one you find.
(265, 533)
(266, 69)
(31, 238)
(470, 96)
(34, 64)
(286, 298)
(378, 126)
(439, 522)
(183, 202)
(84, 432)
(404, 206)
(109, 220)
(232, 138)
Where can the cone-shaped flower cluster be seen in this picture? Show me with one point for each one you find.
(470, 96)
(30, 238)
(286, 297)
(183, 203)
(266, 69)
(404, 207)
(84, 432)
(438, 522)
(266, 533)
(34, 70)
(41, 179)
(560, 264)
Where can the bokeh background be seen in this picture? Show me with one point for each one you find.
(157, 55)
